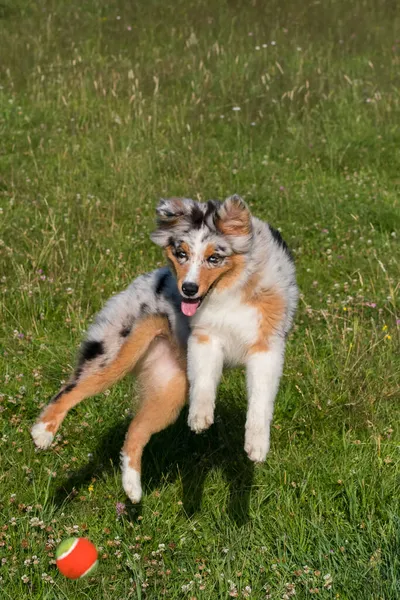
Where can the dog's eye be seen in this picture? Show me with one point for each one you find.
(214, 259)
(181, 255)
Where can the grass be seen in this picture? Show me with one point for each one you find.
(104, 107)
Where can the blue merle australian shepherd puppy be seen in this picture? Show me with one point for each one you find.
(227, 297)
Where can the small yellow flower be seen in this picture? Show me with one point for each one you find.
(91, 488)
(384, 328)
(344, 308)
(388, 337)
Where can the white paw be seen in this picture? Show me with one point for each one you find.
(41, 436)
(257, 444)
(201, 418)
(131, 481)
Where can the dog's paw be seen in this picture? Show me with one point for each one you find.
(201, 418)
(131, 481)
(42, 437)
(132, 485)
(256, 444)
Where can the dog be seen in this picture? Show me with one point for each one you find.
(227, 297)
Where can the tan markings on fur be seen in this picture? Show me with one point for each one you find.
(160, 407)
(209, 251)
(236, 264)
(223, 276)
(270, 306)
(237, 221)
(201, 338)
(208, 276)
(185, 247)
(134, 348)
(180, 270)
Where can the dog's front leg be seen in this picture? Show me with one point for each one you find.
(205, 362)
(264, 370)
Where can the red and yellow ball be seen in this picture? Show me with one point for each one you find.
(76, 557)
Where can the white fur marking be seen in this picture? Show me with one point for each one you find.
(264, 370)
(41, 436)
(161, 362)
(196, 259)
(131, 480)
(257, 443)
(202, 416)
(236, 324)
(205, 362)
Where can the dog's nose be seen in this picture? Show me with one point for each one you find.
(189, 288)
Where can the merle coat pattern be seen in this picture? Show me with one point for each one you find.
(227, 297)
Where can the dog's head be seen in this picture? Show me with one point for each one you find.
(205, 244)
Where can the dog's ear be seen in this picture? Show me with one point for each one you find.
(171, 212)
(171, 209)
(234, 221)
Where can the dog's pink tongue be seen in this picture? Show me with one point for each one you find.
(189, 308)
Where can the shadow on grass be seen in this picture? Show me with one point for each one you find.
(179, 453)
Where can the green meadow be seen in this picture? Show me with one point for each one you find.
(106, 107)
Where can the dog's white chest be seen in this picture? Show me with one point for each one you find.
(233, 322)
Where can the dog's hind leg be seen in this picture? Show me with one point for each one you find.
(96, 372)
(163, 384)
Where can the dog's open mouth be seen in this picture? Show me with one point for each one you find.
(189, 307)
